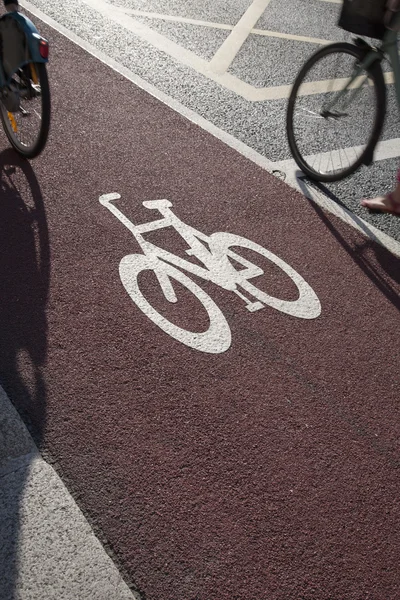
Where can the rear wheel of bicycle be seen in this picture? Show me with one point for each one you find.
(305, 306)
(331, 136)
(27, 129)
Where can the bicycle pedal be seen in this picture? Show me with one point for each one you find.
(254, 306)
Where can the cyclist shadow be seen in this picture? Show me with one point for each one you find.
(24, 285)
(361, 253)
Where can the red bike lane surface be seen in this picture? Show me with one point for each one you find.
(268, 471)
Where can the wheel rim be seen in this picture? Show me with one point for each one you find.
(24, 126)
(331, 139)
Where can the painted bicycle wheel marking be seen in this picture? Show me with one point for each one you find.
(213, 252)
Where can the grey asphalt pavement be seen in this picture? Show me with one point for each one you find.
(264, 60)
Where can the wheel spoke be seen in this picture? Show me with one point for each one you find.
(27, 128)
(334, 127)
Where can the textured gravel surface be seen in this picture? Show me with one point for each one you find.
(262, 61)
(267, 471)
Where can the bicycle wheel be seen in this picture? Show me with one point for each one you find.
(27, 129)
(332, 135)
(216, 339)
(307, 304)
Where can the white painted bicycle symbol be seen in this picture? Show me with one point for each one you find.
(215, 253)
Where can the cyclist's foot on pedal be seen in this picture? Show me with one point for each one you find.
(385, 204)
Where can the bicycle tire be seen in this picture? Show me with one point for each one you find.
(35, 148)
(376, 76)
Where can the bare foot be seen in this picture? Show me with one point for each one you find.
(387, 204)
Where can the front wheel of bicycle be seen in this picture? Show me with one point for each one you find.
(215, 339)
(332, 131)
(27, 128)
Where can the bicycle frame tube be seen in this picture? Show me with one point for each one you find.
(356, 81)
(215, 264)
(33, 38)
(188, 233)
(389, 47)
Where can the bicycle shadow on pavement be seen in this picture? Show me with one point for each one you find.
(24, 286)
(360, 253)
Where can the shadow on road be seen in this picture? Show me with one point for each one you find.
(24, 286)
(361, 253)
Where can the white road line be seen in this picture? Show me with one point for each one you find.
(309, 88)
(260, 160)
(180, 54)
(335, 85)
(368, 230)
(290, 36)
(162, 17)
(384, 150)
(224, 57)
(223, 26)
(388, 77)
(387, 149)
(225, 137)
(192, 60)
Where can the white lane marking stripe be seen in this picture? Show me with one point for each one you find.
(225, 137)
(387, 149)
(309, 88)
(173, 19)
(384, 150)
(290, 36)
(317, 196)
(190, 59)
(177, 52)
(223, 26)
(388, 77)
(224, 57)
(257, 158)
